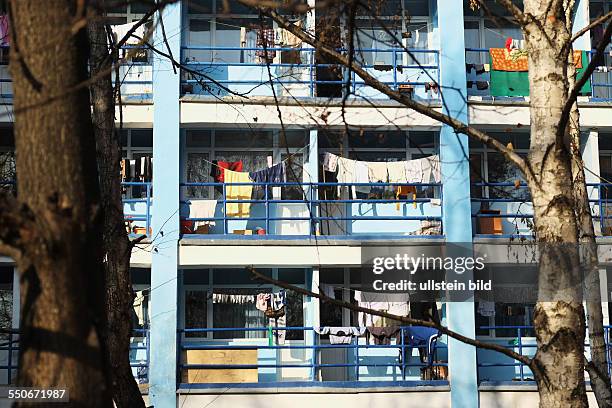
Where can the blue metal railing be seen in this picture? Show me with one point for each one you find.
(516, 194)
(138, 220)
(601, 91)
(312, 206)
(132, 82)
(9, 349)
(517, 342)
(140, 341)
(312, 362)
(216, 64)
(499, 193)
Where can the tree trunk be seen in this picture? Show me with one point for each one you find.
(559, 315)
(62, 280)
(598, 366)
(117, 247)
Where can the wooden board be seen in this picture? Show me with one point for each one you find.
(220, 375)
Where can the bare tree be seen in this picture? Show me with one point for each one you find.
(117, 246)
(53, 228)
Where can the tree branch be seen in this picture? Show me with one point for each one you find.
(407, 320)
(371, 81)
(573, 96)
(594, 23)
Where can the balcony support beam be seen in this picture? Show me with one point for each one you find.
(165, 220)
(456, 206)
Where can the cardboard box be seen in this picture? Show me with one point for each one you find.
(491, 225)
(203, 229)
(221, 357)
(242, 232)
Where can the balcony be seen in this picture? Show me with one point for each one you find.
(239, 72)
(9, 355)
(135, 76)
(495, 368)
(504, 210)
(210, 359)
(137, 210)
(307, 212)
(598, 89)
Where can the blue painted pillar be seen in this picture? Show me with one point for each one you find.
(311, 175)
(165, 220)
(454, 155)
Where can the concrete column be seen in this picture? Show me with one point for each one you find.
(165, 220)
(311, 175)
(454, 156)
(313, 315)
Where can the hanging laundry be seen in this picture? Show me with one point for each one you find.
(202, 209)
(330, 162)
(383, 335)
(121, 30)
(469, 67)
(486, 309)
(287, 40)
(232, 298)
(279, 335)
(279, 299)
(394, 303)
(362, 175)
(216, 170)
(265, 41)
(377, 172)
(274, 174)
(139, 306)
(404, 192)
(414, 171)
(509, 77)
(4, 30)
(397, 172)
(346, 174)
(480, 69)
(125, 169)
(341, 335)
(262, 300)
(237, 192)
(243, 37)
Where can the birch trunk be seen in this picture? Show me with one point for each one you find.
(559, 315)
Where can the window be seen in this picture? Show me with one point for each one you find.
(506, 314)
(136, 147)
(7, 157)
(256, 149)
(596, 10)
(6, 299)
(377, 146)
(141, 285)
(228, 301)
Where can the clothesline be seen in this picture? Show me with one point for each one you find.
(292, 155)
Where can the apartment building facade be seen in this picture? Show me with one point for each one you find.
(200, 336)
